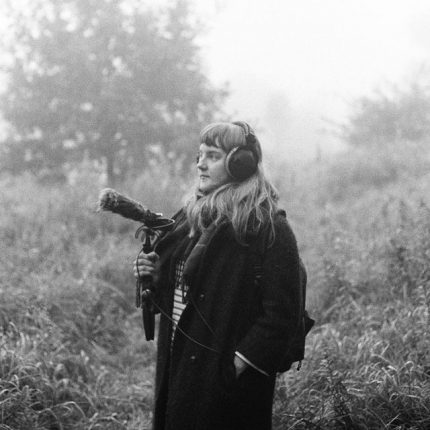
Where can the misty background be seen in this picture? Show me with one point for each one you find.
(295, 70)
(296, 67)
(98, 93)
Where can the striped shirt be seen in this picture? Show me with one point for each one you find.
(179, 303)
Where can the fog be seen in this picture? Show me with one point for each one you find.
(294, 67)
(114, 102)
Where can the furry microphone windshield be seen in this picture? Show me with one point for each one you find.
(112, 201)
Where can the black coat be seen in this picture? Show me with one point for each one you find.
(228, 311)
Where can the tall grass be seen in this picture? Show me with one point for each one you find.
(368, 254)
(71, 349)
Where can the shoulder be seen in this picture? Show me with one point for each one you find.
(276, 235)
(179, 229)
(282, 228)
(179, 215)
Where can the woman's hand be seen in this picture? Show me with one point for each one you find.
(146, 265)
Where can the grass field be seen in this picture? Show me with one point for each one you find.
(71, 349)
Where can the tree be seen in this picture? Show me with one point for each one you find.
(387, 118)
(105, 79)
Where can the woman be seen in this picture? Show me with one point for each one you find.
(228, 290)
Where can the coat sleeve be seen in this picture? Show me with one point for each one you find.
(269, 338)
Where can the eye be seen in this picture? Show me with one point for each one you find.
(214, 156)
(211, 156)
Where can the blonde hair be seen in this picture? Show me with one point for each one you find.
(248, 205)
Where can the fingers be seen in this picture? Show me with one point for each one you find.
(145, 264)
(147, 259)
(153, 256)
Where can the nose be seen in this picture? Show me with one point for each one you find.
(201, 163)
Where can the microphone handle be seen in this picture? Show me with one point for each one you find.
(146, 289)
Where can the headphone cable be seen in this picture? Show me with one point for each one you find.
(182, 331)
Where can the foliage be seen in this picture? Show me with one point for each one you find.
(350, 175)
(71, 347)
(390, 118)
(109, 80)
(368, 256)
(72, 354)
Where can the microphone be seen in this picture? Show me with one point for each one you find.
(153, 224)
(113, 201)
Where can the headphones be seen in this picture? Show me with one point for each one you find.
(242, 161)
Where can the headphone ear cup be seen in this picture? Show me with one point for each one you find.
(241, 163)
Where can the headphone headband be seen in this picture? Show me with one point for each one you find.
(249, 132)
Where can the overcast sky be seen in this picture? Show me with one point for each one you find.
(310, 59)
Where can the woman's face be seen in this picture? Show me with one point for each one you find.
(211, 169)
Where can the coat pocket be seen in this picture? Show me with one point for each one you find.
(228, 375)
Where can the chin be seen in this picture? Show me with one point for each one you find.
(206, 189)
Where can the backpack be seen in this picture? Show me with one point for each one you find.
(296, 351)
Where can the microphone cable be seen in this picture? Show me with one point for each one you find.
(185, 333)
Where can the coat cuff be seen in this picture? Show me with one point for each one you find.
(242, 357)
